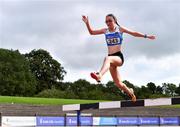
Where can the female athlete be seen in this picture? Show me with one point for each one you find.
(114, 36)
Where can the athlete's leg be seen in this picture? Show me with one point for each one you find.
(115, 60)
(117, 79)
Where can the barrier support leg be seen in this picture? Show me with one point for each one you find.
(78, 117)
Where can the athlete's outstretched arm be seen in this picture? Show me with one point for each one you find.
(91, 31)
(136, 34)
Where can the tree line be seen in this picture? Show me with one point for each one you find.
(37, 74)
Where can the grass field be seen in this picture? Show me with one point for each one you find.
(53, 101)
(171, 106)
(45, 101)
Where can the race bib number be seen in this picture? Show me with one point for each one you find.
(113, 39)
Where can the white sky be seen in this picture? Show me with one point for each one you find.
(56, 26)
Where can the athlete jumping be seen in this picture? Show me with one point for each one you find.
(114, 36)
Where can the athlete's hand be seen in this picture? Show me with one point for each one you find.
(85, 19)
(152, 37)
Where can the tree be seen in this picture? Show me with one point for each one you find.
(128, 84)
(178, 90)
(159, 90)
(152, 87)
(82, 88)
(169, 89)
(16, 77)
(47, 70)
(144, 92)
(115, 92)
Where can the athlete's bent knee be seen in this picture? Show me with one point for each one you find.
(107, 58)
(112, 66)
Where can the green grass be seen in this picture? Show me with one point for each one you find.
(171, 106)
(42, 101)
(53, 101)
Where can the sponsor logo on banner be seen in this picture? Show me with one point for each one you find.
(71, 121)
(86, 121)
(96, 121)
(127, 121)
(105, 121)
(13, 121)
(169, 121)
(111, 121)
(50, 121)
(148, 121)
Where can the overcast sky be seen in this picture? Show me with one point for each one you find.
(56, 26)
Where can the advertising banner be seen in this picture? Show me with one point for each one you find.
(149, 121)
(50, 121)
(169, 121)
(71, 121)
(86, 121)
(25, 121)
(105, 121)
(14, 121)
(127, 121)
(96, 121)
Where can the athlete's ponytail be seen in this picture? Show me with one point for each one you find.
(114, 17)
